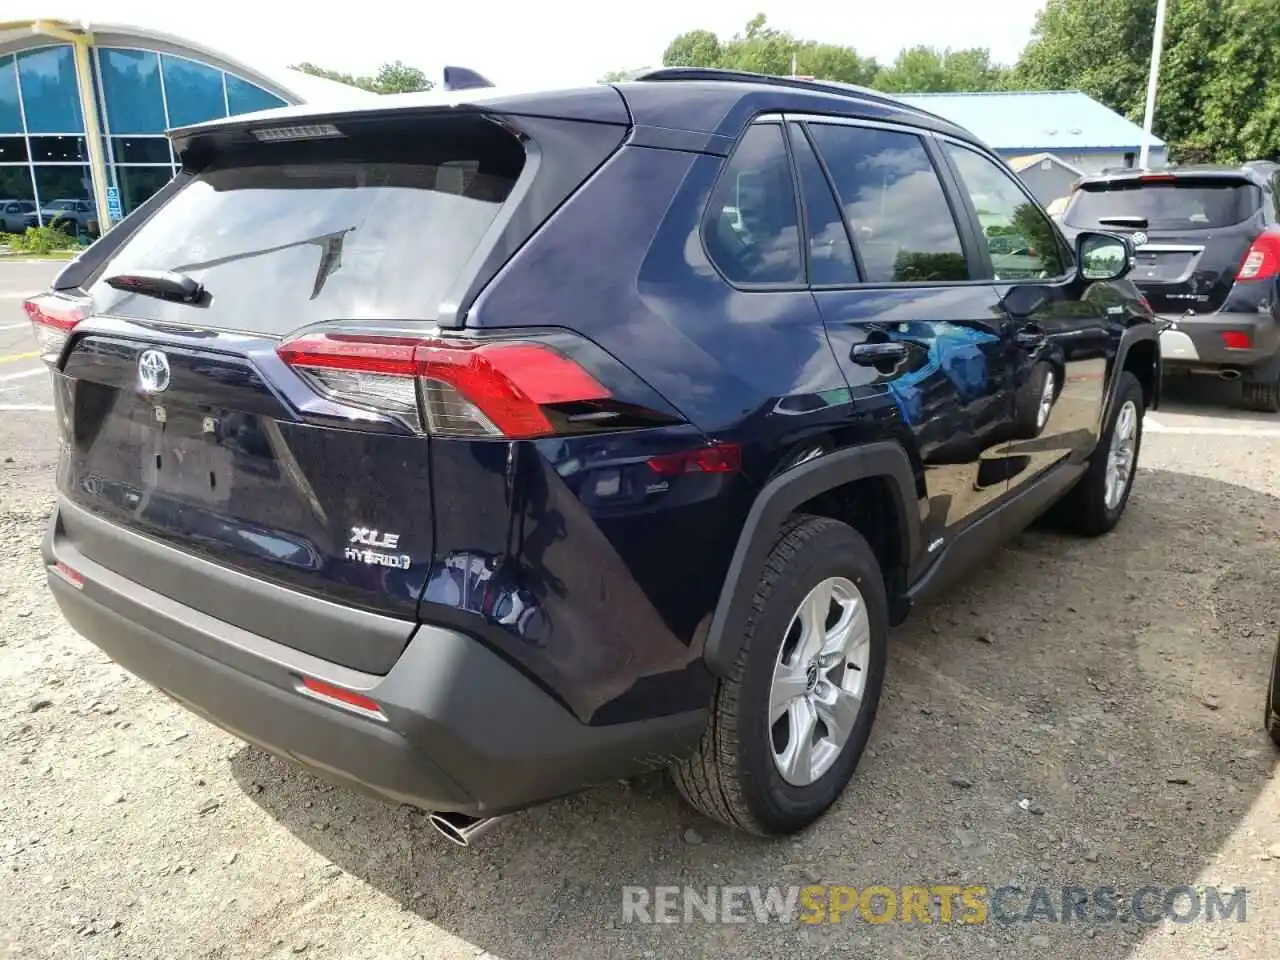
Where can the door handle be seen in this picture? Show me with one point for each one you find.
(1030, 337)
(876, 353)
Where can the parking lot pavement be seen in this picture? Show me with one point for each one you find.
(1077, 714)
(24, 383)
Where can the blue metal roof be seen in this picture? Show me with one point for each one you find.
(1035, 120)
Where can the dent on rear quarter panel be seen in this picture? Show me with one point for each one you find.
(626, 590)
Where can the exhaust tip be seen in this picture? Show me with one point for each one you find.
(459, 828)
(448, 830)
(1229, 375)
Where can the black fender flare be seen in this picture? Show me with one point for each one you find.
(1138, 333)
(776, 501)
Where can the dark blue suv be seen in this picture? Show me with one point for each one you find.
(478, 449)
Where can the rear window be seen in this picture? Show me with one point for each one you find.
(1184, 204)
(376, 225)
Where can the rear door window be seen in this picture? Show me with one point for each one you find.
(830, 256)
(752, 228)
(376, 226)
(1183, 203)
(894, 203)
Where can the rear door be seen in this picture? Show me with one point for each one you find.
(1191, 233)
(906, 318)
(186, 425)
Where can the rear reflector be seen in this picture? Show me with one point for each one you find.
(719, 458)
(343, 696)
(1236, 340)
(67, 574)
(445, 387)
(1262, 262)
(53, 318)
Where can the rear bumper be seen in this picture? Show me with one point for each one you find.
(1196, 342)
(462, 730)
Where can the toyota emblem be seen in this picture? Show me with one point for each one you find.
(153, 371)
(1139, 238)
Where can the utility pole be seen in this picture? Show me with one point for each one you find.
(1157, 46)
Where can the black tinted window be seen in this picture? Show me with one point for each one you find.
(1185, 203)
(752, 230)
(894, 203)
(1022, 242)
(373, 226)
(830, 256)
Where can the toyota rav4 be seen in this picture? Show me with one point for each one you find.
(478, 448)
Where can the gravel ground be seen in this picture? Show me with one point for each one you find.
(1078, 713)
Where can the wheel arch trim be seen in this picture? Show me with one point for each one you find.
(776, 501)
(1135, 334)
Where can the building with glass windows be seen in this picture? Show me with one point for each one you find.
(84, 108)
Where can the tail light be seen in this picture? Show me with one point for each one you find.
(53, 317)
(445, 387)
(1262, 262)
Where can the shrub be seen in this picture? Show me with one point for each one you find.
(40, 240)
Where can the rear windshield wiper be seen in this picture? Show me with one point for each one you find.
(1124, 221)
(162, 284)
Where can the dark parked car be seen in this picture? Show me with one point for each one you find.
(1208, 259)
(477, 451)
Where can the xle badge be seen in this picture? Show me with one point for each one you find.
(361, 548)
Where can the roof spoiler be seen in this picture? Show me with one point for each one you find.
(461, 78)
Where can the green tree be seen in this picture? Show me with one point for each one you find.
(697, 48)
(1219, 93)
(1098, 46)
(1239, 108)
(399, 77)
(394, 77)
(761, 49)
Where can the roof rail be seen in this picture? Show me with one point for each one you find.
(742, 76)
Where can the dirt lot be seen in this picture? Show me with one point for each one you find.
(1114, 686)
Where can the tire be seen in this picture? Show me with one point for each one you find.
(734, 776)
(1085, 510)
(1031, 412)
(1271, 714)
(1262, 396)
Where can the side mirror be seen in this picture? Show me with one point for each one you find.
(1103, 256)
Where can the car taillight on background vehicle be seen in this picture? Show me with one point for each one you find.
(443, 387)
(53, 317)
(1262, 262)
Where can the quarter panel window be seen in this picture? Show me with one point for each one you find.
(894, 203)
(1022, 242)
(752, 230)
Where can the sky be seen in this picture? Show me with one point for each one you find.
(551, 42)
